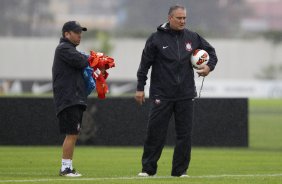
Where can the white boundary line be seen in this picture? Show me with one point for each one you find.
(133, 178)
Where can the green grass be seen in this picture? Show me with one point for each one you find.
(109, 164)
(259, 164)
(265, 124)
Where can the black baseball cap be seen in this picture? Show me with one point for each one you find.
(73, 26)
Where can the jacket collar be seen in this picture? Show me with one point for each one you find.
(62, 39)
(166, 28)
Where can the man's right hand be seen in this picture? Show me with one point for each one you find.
(140, 97)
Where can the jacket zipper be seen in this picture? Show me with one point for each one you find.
(178, 77)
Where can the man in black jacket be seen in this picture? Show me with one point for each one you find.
(69, 91)
(172, 89)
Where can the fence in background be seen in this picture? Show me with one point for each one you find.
(120, 122)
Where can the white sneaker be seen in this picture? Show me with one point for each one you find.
(69, 173)
(184, 176)
(73, 175)
(144, 174)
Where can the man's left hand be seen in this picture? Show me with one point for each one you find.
(203, 70)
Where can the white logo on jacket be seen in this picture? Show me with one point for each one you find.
(157, 101)
(189, 46)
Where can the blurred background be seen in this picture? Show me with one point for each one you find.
(247, 35)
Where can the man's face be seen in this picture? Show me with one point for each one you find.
(73, 37)
(177, 19)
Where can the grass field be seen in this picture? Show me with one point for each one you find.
(261, 163)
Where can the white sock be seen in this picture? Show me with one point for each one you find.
(66, 163)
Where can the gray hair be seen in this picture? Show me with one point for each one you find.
(175, 7)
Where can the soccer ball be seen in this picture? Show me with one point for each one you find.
(199, 57)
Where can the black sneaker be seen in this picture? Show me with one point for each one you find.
(69, 173)
(183, 175)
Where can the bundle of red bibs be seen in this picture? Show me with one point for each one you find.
(100, 63)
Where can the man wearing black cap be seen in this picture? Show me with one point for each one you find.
(69, 91)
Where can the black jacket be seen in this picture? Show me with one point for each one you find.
(169, 52)
(68, 83)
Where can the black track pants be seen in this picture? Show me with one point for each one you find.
(159, 116)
